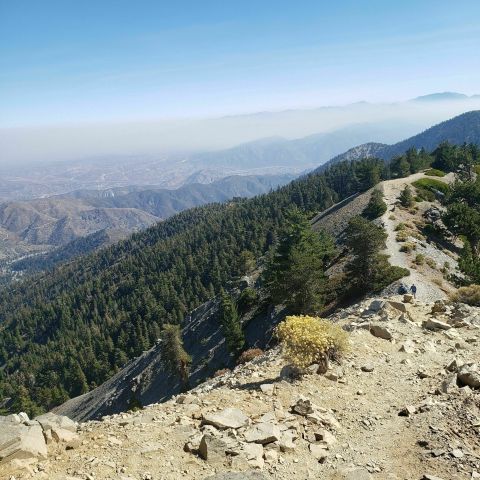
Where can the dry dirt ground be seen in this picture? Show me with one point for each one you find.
(429, 281)
(375, 382)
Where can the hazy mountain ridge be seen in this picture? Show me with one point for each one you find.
(464, 128)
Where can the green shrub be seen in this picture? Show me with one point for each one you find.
(248, 298)
(420, 259)
(431, 185)
(435, 172)
(400, 226)
(306, 340)
(401, 236)
(469, 295)
(174, 355)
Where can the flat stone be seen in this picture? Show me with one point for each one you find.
(408, 298)
(227, 418)
(401, 307)
(457, 453)
(367, 367)
(439, 307)
(286, 441)
(380, 332)
(433, 324)
(237, 476)
(254, 454)
(430, 477)
(303, 406)
(376, 305)
(263, 433)
(318, 451)
(449, 384)
(325, 438)
(53, 421)
(267, 388)
(407, 411)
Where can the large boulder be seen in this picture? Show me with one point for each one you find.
(57, 428)
(19, 441)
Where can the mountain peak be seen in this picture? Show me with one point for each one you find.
(441, 96)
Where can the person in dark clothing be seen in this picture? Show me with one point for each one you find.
(413, 289)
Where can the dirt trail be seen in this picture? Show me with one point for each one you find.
(427, 291)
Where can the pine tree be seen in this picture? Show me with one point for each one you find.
(176, 358)
(295, 273)
(232, 326)
(376, 206)
(406, 197)
(368, 270)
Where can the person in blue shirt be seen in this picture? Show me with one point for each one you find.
(413, 289)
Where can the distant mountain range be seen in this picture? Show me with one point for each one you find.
(56, 221)
(464, 128)
(444, 96)
(59, 220)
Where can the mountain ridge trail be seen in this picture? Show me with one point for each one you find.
(427, 290)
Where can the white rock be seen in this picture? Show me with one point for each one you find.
(263, 433)
(227, 418)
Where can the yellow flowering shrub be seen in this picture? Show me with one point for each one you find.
(306, 340)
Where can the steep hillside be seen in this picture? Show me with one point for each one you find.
(90, 316)
(464, 128)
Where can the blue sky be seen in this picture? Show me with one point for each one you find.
(101, 60)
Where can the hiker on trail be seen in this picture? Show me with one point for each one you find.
(413, 289)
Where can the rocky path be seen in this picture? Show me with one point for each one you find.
(389, 411)
(427, 290)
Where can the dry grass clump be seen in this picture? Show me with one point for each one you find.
(469, 295)
(420, 259)
(401, 236)
(431, 262)
(249, 355)
(221, 372)
(408, 247)
(306, 340)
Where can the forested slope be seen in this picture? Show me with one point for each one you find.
(65, 332)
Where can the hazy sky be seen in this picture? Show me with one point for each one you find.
(74, 61)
